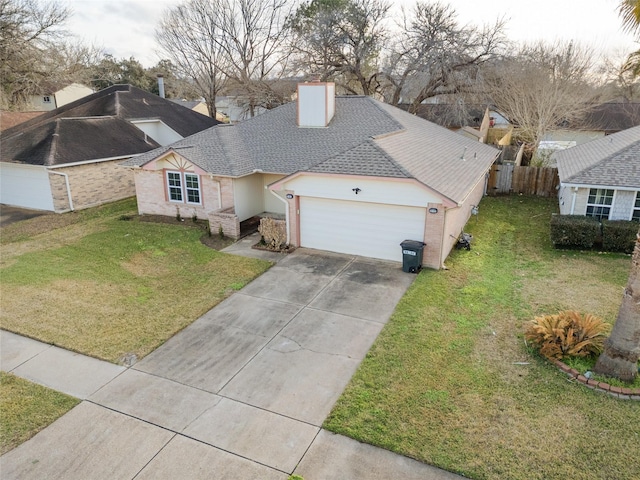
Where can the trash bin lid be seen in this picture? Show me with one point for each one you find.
(412, 244)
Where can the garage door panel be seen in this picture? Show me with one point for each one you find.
(26, 187)
(359, 228)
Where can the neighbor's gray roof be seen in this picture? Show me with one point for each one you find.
(365, 137)
(95, 127)
(613, 160)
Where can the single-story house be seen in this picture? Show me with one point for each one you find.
(55, 95)
(596, 122)
(347, 174)
(200, 107)
(601, 178)
(11, 119)
(68, 158)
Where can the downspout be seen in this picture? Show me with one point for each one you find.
(66, 181)
(219, 192)
(286, 213)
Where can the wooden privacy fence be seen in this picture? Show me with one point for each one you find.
(508, 178)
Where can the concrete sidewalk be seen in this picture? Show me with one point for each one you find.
(240, 393)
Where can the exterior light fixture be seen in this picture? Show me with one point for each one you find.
(356, 190)
(433, 210)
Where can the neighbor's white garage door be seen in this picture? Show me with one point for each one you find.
(25, 186)
(367, 229)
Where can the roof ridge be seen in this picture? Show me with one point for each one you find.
(53, 145)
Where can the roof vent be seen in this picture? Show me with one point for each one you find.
(316, 104)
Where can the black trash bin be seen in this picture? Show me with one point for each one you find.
(412, 255)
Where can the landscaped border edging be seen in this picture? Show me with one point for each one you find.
(618, 392)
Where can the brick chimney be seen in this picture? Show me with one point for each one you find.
(316, 103)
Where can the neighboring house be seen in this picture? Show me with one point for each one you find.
(53, 96)
(235, 108)
(200, 107)
(597, 122)
(601, 178)
(11, 119)
(347, 174)
(458, 116)
(68, 158)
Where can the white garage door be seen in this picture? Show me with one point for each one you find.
(25, 186)
(367, 229)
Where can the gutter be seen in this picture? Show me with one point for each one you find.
(286, 212)
(97, 160)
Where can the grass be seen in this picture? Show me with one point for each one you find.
(26, 409)
(451, 382)
(107, 287)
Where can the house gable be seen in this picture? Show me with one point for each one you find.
(173, 161)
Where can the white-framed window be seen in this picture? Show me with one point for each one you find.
(46, 99)
(599, 203)
(184, 187)
(636, 208)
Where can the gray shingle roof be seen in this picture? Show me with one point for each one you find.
(95, 127)
(365, 159)
(365, 137)
(446, 161)
(609, 161)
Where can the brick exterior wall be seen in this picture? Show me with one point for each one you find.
(92, 184)
(227, 220)
(294, 219)
(59, 193)
(151, 191)
(433, 230)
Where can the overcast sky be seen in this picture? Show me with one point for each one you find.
(125, 28)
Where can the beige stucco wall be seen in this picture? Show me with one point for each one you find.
(91, 184)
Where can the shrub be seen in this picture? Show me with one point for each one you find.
(619, 235)
(567, 334)
(574, 231)
(274, 232)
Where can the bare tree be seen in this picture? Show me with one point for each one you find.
(543, 87)
(341, 40)
(435, 55)
(189, 34)
(622, 349)
(220, 41)
(29, 30)
(619, 81)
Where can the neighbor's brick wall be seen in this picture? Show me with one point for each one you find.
(92, 184)
(59, 193)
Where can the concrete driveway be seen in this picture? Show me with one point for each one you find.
(9, 215)
(242, 392)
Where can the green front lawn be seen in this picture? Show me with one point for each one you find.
(451, 382)
(102, 283)
(27, 408)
